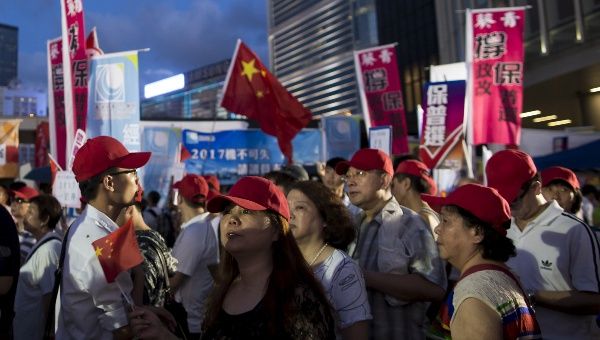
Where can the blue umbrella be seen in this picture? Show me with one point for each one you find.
(41, 174)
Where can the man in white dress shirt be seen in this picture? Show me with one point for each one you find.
(91, 308)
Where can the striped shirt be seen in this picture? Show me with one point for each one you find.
(502, 294)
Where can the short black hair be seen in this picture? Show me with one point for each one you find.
(153, 197)
(49, 208)
(417, 183)
(281, 179)
(89, 187)
(332, 162)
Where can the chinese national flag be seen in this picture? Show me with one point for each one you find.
(54, 167)
(118, 251)
(253, 91)
(184, 154)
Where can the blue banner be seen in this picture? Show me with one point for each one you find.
(342, 136)
(163, 142)
(113, 98)
(232, 154)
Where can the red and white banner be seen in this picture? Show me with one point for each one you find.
(495, 58)
(42, 139)
(56, 102)
(381, 92)
(75, 71)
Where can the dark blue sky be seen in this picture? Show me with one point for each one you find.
(182, 34)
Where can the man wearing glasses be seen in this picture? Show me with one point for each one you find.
(395, 248)
(18, 209)
(91, 308)
(557, 254)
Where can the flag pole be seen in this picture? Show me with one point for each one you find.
(231, 65)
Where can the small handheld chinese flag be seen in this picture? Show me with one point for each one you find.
(184, 154)
(118, 251)
(251, 90)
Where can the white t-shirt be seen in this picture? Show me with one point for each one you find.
(90, 308)
(345, 288)
(196, 247)
(558, 252)
(36, 279)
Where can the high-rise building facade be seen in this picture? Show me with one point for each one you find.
(9, 40)
(562, 56)
(311, 46)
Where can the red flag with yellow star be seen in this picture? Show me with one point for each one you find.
(251, 90)
(118, 251)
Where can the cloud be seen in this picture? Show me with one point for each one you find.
(182, 39)
(32, 70)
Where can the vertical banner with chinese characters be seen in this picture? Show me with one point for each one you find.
(381, 92)
(75, 70)
(444, 104)
(41, 144)
(56, 102)
(114, 103)
(495, 57)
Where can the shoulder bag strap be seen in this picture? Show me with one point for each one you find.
(49, 327)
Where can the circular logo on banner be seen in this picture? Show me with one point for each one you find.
(110, 83)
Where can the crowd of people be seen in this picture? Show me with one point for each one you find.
(365, 249)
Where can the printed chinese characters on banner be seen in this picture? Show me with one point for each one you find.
(443, 124)
(495, 55)
(381, 92)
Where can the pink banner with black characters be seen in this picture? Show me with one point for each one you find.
(495, 57)
(444, 104)
(74, 54)
(381, 92)
(56, 102)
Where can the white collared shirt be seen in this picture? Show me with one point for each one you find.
(196, 247)
(91, 308)
(557, 252)
(36, 279)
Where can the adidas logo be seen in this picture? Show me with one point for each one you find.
(547, 265)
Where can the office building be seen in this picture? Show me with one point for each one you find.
(9, 47)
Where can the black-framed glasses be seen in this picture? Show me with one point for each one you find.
(134, 171)
(522, 193)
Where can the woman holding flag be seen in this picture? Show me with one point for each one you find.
(264, 288)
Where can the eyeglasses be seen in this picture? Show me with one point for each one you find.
(358, 175)
(133, 171)
(20, 200)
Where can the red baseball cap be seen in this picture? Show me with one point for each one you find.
(193, 187)
(483, 202)
(101, 153)
(419, 169)
(559, 173)
(26, 193)
(213, 182)
(367, 159)
(254, 193)
(508, 170)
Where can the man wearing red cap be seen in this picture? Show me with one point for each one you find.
(562, 185)
(395, 249)
(412, 179)
(18, 208)
(91, 308)
(196, 249)
(557, 259)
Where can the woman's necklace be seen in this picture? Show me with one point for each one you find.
(318, 254)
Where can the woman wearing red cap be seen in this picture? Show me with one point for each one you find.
(562, 185)
(323, 230)
(264, 289)
(487, 301)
